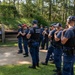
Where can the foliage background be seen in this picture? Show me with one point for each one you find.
(13, 12)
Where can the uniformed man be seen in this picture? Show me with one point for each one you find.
(58, 48)
(68, 40)
(19, 36)
(45, 38)
(51, 47)
(41, 35)
(25, 40)
(34, 35)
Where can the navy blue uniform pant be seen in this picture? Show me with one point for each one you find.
(25, 42)
(68, 62)
(34, 51)
(41, 40)
(58, 58)
(20, 44)
(45, 41)
(50, 51)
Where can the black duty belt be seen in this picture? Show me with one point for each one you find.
(69, 51)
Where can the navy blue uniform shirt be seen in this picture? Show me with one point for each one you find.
(26, 32)
(69, 34)
(59, 34)
(35, 35)
(41, 30)
(20, 30)
(52, 32)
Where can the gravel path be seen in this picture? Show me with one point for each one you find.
(8, 55)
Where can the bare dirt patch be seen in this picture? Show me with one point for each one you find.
(8, 55)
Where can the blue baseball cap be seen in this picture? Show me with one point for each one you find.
(58, 25)
(53, 24)
(20, 25)
(46, 26)
(34, 22)
(71, 18)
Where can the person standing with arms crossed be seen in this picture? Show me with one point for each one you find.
(68, 40)
(34, 37)
(19, 36)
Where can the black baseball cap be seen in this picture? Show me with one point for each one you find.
(71, 18)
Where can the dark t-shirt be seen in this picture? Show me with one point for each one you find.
(69, 34)
(46, 35)
(59, 34)
(20, 30)
(52, 36)
(26, 32)
(35, 33)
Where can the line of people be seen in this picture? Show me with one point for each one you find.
(22, 39)
(62, 41)
(22, 32)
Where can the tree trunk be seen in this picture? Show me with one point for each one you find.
(9, 2)
(18, 5)
(74, 7)
(42, 6)
(50, 10)
(14, 2)
(69, 8)
(66, 11)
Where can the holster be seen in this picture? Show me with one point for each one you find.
(30, 43)
(57, 46)
(69, 52)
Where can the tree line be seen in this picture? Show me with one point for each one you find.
(49, 10)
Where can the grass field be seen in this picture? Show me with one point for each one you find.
(24, 70)
(8, 44)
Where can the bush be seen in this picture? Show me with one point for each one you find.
(41, 20)
(7, 11)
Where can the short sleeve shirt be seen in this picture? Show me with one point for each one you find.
(19, 30)
(26, 32)
(52, 32)
(59, 34)
(69, 33)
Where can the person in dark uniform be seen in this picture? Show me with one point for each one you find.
(51, 47)
(41, 35)
(19, 36)
(45, 38)
(58, 48)
(68, 40)
(34, 35)
(25, 40)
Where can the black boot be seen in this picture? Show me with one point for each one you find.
(37, 64)
(59, 73)
(44, 63)
(26, 55)
(19, 52)
(33, 67)
(55, 70)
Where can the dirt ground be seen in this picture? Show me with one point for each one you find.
(8, 55)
